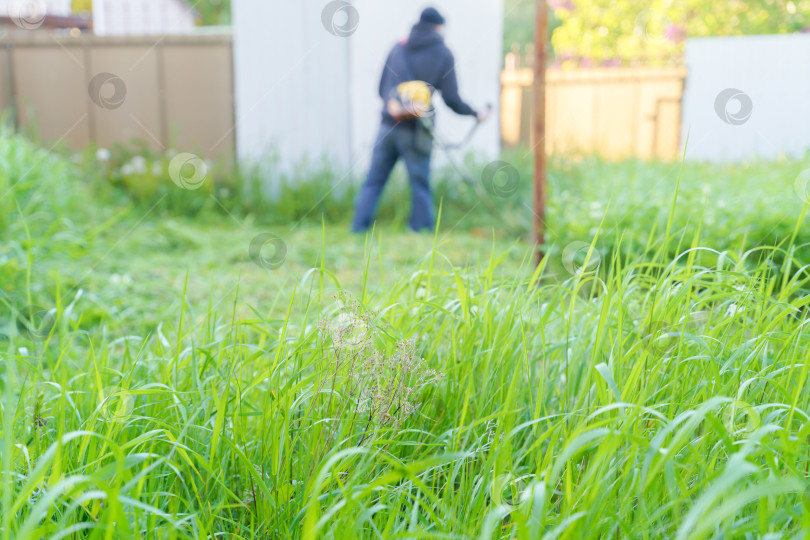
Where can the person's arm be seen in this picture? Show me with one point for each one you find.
(448, 86)
(385, 74)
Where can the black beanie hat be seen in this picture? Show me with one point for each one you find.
(430, 15)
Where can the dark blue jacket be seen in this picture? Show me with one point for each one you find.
(429, 60)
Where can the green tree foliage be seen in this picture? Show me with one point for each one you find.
(518, 23)
(211, 12)
(214, 12)
(612, 31)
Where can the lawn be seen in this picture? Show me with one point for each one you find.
(188, 364)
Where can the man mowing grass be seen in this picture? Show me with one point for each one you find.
(415, 68)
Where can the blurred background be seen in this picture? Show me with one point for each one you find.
(269, 109)
(298, 80)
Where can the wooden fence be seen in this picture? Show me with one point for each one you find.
(617, 112)
(177, 92)
(169, 92)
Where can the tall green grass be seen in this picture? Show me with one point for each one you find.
(752, 203)
(627, 394)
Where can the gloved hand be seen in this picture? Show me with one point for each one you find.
(484, 114)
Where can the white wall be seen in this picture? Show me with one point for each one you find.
(305, 92)
(139, 17)
(291, 79)
(11, 8)
(773, 71)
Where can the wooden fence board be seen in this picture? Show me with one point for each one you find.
(179, 90)
(617, 112)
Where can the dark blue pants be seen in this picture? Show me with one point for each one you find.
(394, 142)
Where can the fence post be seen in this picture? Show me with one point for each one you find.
(540, 38)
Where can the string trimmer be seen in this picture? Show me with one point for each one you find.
(449, 148)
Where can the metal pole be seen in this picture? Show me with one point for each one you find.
(540, 40)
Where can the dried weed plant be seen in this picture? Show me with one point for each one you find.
(363, 386)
